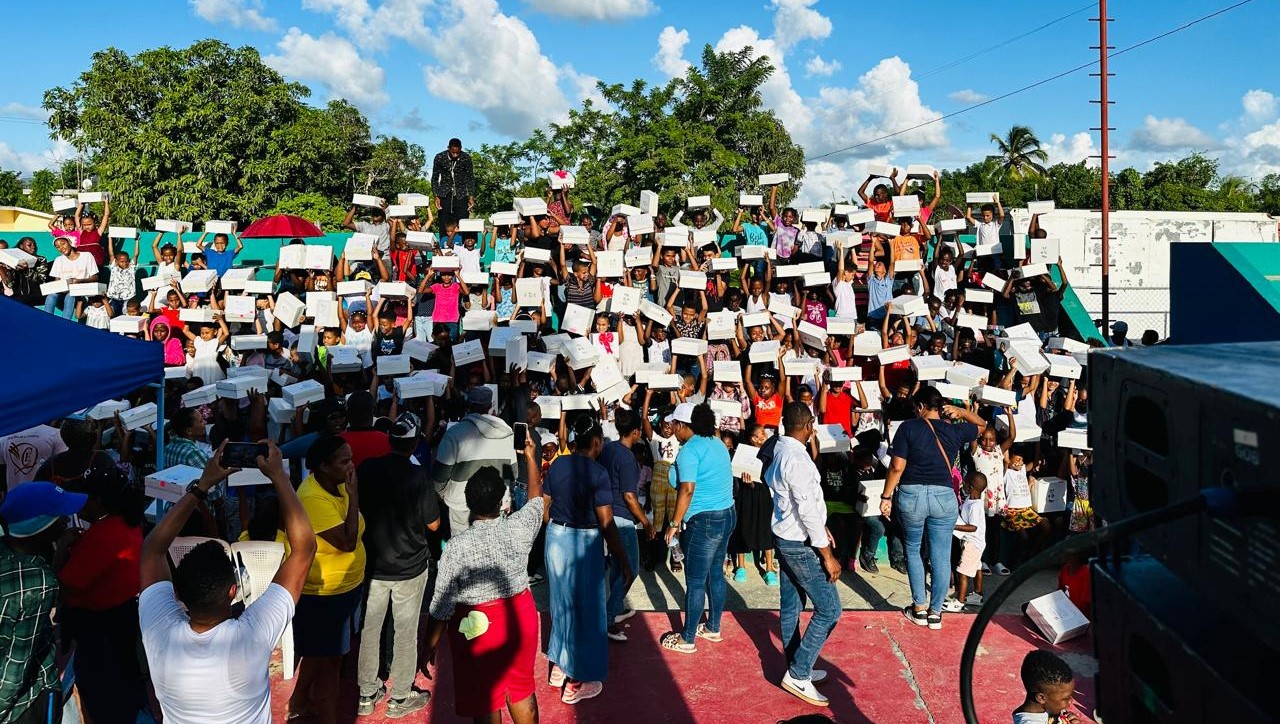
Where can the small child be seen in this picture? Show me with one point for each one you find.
(468, 254)
(1049, 684)
(971, 535)
(94, 312)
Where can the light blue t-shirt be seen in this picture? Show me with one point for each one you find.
(704, 461)
(879, 294)
(756, 235)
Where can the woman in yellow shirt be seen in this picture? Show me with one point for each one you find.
(326, 611)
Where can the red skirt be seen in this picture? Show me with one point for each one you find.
(496, 666)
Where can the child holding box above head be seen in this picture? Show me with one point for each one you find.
(905, 247)
(169, 263)
(376, 225)
(220, 258)
(881, 201)
(988, 229)
(784, 227)
(122, 285)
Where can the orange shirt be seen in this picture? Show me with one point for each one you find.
(905, 247)
(882, 210)
(768, 410)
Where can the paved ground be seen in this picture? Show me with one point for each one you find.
(883, 668)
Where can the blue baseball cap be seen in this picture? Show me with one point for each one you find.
(32, 507)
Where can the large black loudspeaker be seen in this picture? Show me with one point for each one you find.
(1166, 422)
(1167, 655)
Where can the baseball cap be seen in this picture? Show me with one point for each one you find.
(32, 507)
(363, 276)
(407, 427)
(480, 396)
(682, 413)
(1120, 326)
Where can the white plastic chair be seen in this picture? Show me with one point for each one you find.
(182, 545)
(260, 560)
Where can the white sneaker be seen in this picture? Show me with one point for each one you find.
(952, 605)
(555, 677)
(973, 599)
(803, 690)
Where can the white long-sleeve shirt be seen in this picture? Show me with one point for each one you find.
(799, 510)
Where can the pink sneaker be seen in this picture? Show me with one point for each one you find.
(577, 691)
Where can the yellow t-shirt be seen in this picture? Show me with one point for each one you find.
(333, 571)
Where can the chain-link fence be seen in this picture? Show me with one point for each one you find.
(1142, 308)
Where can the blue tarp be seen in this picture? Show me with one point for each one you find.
(51, 367)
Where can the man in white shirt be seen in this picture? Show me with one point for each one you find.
(22, 453)
(207, 666)
(808, 566)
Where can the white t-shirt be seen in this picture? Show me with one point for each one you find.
(24, 452)
(988, 233)
(664, 449)
(1027, 718)
(944, 280)
(97, 317)
(972, 513)
(82, 267)
(846, 302)
(217, 676)
(1017, 491)
(469, 259)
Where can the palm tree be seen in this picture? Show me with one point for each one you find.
(1236, 193)
(1020, 154)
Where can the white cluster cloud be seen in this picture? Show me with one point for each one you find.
(597, 10)
(21, 110)
(238, 13)
(796, 20)
(1079, 147)
(26, 162)
(968, 97)
(1157, 134)
(670, 56)
(820, 67)
(334, 63)
(1259, 105)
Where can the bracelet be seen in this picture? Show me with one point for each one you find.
(886, 497)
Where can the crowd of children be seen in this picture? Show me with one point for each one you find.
(848, 309)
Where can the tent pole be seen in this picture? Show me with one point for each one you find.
(161, 506)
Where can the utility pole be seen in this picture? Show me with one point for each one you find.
(1104, 129)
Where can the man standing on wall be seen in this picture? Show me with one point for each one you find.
(453, 183)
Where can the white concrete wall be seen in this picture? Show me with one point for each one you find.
(1140, 242)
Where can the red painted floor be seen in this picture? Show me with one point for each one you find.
(882, 669)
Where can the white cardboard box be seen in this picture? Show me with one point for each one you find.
(750, 200)
(289, 309)
(726, 371)
(541, 362)
(344, 358)
(967, 375)
(746, 461)
(202, 315)
(752, 251)
(814, 216)
(140, 416)
(280, 411)
(128, 325)
(1064, 366)
(609, 264)
(420, 239)
(1039, 207)
(191, 247)
(980, 197)
(504, 268)
(234, 279)
(238, 388)
(219, 227)
(693, 279)
(530, 207)
(64, 203)
(907, 265)
(413, 199)
(842, 326)
(170, 484)
(920, 170)
(690, 346)
(12, 257)
(992, 249)
(699, 202)
(418, 349)
(705, 235)
(87, 289)
(930, 367)
(952, 225)
(971, 321)
(360, 247)
(908, 205)
(1075, 438)
(354, 289)
(908, 305)
(1033, 270)
(479, 320)
(1049, 495)
(577, 319)
(764, 351)
(443, 263)
(997, 396)
(894, 354)
(468, 352)
(389, 365)
(812, 334)
(93, 197)
(318, 256)
(304, 392)
(366, 200)
(867, 344)
(664, 381)
(199, 281)
(401, 211)
(649, 202)
(1045, 251)
(880, 170)
(1066, 344)
(244, 342)
(979, 296)
(411, 387)
(175, 372)
(1057, 617)
(957, 393)
(993, 282)
(471, 226)
(639, 256)
(885, 228)
(640, 224)
(254, 286)
(561, 179)
(201, 396)
(122, 232)
(475, 279)
(832, 438)
(106, 410)
(800, 367)
(773, 179)
(387, 289)
(504, 218)
(656, 313)
(861, 216)
(725, 408)
(851, 373)
(535, 254)
(755, 319)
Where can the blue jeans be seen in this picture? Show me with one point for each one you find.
(617, 584)
(705, 541)
(66, 301)
(928, 510)
(874, 528)
(803, 578)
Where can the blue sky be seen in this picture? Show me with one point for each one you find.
(490, 70)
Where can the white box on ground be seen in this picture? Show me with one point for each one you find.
(1057, 617)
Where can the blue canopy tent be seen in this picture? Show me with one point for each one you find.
(51, 367)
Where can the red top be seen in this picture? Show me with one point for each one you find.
(768, 410)
(366, 444)
(839, 410)
(103, 570)
(90, 242)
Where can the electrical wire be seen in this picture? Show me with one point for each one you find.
(1030, 86)
(1002, 43)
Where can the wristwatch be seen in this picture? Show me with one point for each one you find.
(200, 493)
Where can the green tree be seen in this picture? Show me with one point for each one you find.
(209, 131)
(43, 183)
(11, 189)
(705, 133)
(1020, 154)
(1235, 194)
(1268, 196)
(314, 207)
